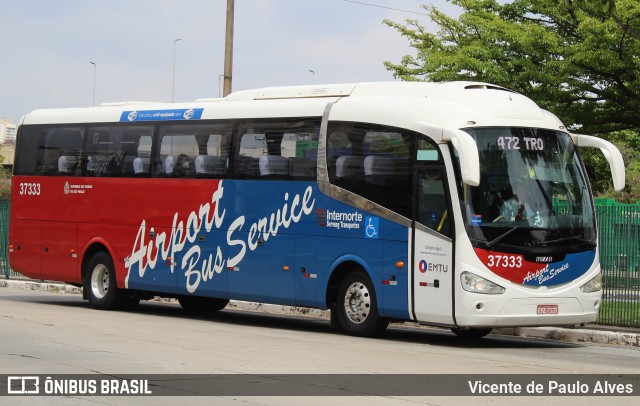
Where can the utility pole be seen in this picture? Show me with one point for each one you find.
(228, 49)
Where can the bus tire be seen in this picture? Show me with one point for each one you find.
(471, 333)
(202, 305)
(100, 283)
(356, 308)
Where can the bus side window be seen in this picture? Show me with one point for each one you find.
(114, 151)
(277, 150)
(432, 201)
(178, 150)
(102, 146)
(60, 151)
(251, 147)
(373, 162)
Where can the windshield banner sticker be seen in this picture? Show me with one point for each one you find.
(515, 268)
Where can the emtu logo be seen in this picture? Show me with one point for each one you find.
(321, 214)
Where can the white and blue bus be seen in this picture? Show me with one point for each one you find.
(462, 205)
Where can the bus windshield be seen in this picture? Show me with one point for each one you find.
(533, 191)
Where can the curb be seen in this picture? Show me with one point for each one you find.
(584, 334)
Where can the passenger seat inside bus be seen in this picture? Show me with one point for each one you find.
(378, 170)
(349, 167)
(67, 164)
(141, 167)
(207, 165)
(273, 166)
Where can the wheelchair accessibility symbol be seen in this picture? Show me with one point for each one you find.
(371, 229)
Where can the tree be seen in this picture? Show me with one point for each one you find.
(575, 62)
(609, 7)
(605, 5)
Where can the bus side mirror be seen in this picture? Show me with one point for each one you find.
(468, 154)
(610, 152)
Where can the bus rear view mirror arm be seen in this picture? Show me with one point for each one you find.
(611, 153)
(468, 154)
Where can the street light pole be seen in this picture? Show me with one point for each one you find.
(95, 68)
(313, 76)
(173, 87)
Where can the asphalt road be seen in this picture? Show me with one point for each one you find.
(57, 333)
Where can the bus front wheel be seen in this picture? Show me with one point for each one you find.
(100, 284)
(356, 309)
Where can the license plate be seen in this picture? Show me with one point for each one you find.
(547, 309)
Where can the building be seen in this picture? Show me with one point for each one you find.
(7, 142)
(7, 131)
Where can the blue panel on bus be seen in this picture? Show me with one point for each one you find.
(161, 115)
(271, 241)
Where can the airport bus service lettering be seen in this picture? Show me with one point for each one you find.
(196, 269)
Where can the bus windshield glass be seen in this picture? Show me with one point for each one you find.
(533, 191)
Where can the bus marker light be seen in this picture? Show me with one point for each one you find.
(233, 268)
(310, 275)
(73, 254)
(423, 284)
(400, 264)
(285, 268)
(11, 248)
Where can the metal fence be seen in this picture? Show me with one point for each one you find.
(4, 237)
(619, 235)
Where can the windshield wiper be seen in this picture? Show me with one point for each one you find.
(496, 240)
(571, 238)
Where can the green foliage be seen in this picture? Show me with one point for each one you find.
(608, 6)
(5, 181)
(575, 61)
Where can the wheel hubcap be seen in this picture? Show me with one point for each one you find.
(357, 302)
(100, 281)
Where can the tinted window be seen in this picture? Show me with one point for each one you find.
(373, 162)
(193, 150)
(118, 150)
(277, 150)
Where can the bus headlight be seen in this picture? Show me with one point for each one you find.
(593, 285)
(477, 284)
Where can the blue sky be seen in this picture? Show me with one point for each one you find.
(47, 46)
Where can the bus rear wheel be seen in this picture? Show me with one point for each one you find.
(356, 308)
(100, 284)
(202, 305)
(471, 333)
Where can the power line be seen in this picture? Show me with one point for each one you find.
(388, 8)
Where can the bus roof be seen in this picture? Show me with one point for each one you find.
(446, 104)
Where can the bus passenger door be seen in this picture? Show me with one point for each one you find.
(432, 256)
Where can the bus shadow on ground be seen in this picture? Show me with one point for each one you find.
(396, 332)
